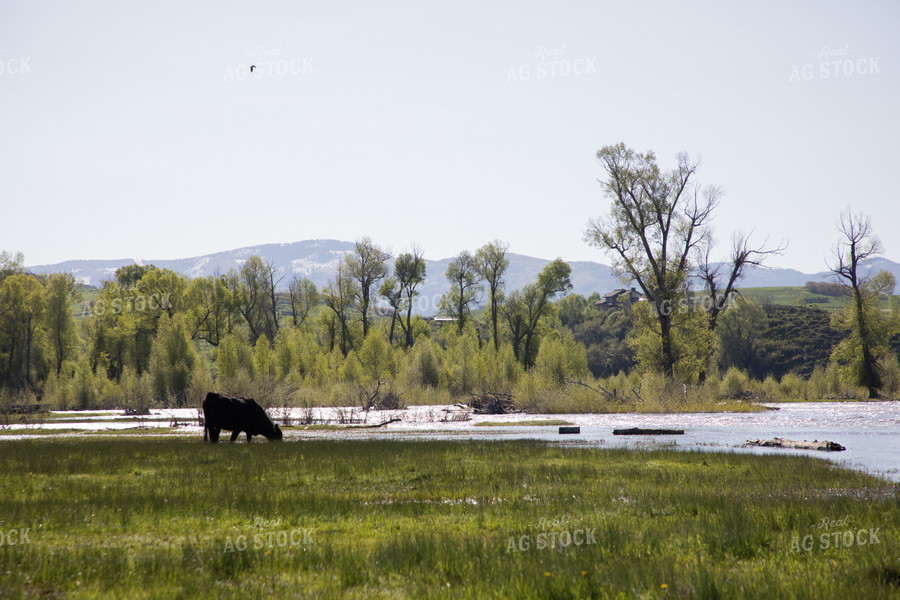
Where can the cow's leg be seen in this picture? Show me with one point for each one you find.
(235, 434)
(205, 432)
(214, 434)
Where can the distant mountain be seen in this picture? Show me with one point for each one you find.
(319, 259)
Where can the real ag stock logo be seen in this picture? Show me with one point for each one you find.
(835, 533)
(277, 537)
(552, 62)
(14, 66)
(835, 63)
(268, 62)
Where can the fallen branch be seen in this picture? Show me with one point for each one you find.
(601, 391)
(389, 421)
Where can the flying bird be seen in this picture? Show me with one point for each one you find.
(252, 67)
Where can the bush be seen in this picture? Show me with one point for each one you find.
(817, 386)
(793, 387)
(735, 383)
(771, 389)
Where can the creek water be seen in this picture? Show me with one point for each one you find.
(869, 430)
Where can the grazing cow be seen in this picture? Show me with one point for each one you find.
(236, 415)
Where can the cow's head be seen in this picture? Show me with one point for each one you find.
(276, 433)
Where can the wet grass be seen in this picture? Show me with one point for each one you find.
(154, 518)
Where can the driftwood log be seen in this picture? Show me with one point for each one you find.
(639, 431)
(824, 445)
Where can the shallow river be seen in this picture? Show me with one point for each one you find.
(870, 431)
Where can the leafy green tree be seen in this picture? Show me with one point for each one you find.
(424, 363)
(11, 264)
(209, 307)
(656, 222)
(367, 266)
(689, 341)
(573, 310)
(338, 296)
(253, 294)
(462, 365)
(391, 291)
(741, 334)
(859, 356)
(21, 316)
(409, 269)
(129, 275)
(491, 263)
(462, 273)
(561, 359)
(262, 359)
(171, 361)
(233, 355)
(604, 334)
(61, 292)
(377, 358)
(525, 309)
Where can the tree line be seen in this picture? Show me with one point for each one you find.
(152, 335)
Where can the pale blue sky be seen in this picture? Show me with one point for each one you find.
(133, 134)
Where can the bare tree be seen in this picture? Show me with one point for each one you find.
(742, 256)
(656, 222)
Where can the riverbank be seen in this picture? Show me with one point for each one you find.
(141, 518)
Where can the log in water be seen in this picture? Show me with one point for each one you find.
(824, 445)
(639, 431)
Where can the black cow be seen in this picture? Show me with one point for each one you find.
(236, 415)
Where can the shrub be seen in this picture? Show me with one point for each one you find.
(793, 386)
(735, 383)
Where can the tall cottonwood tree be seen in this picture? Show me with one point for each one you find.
(21, 312)
(858, 244)
(209, 307)
(462, 273)
(338, 296)
(657, 220)
(304, 296)
(525, 309)
(253, 293)
(367, 266)
(409, 269)
(492, 264)
(61, 291)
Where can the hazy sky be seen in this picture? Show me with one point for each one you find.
(133, 129)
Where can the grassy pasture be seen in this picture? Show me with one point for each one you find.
(164, 518)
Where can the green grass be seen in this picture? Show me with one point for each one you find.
(791, 296)
(159, 518)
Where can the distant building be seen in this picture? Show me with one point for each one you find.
(618, 298)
